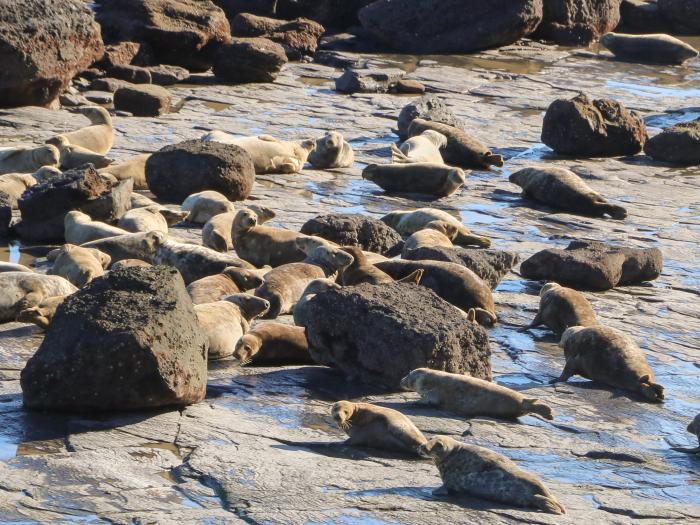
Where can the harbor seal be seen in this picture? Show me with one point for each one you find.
(408, 222)
(142, 246)
(608, 356)
(194, 261)
(270, 155)
(377, 427)
(479, 472)
(229, 282)
(204, 205)
(146, 219)
(332, 151)
(562, 308)
(73, 156)
(79, 228)
(28, 159)
(470, 396)
(461, 149)
(22, 290)
(655, 49)
(79, 265)
(133, 168)
(13, 267)
(435, 233)
(216, 233)
(563, 189)
(41, 314)
(432, 179)
(97, 137)
(362, 271)
(274, 344)
(421, 148)
(15, 184)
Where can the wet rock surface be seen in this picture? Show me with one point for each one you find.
(368, 233)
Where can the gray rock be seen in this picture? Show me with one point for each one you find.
(578, 22)
(164, 75)
(370, 234)
(368, 80)
(430, 108)
(108, 84)
(298, 37)
(144, 100)
(131, 74)
(99, 97)
(249, 60)
(5, 213)
(679, 144)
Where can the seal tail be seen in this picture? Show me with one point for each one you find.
(652, 391)
(494, 160)
(484, 317)
(549, 504)
(470, 239)
(535, 407)
(413, 277)
(615, 211)
(398, 156)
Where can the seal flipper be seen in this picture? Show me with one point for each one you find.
(548, 504)
(413, 277)
(569, 370)
(484, 317)
(537, 321)
(615, 211)
(398, 156)
(470, 239)
(494, 160)
(535, 407)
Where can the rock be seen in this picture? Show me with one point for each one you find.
(108, 84)
(179, 170)
(143, 100)
(249, 60)
(450, 26)
(184, 33)
(684, 15)
(120, 54)
(43, 45)
(5, 214)
(132, 74)
(89, 74)
(593, 128)
(403, 327)
(409, 87)
(99, 97)
(368, 80)
(679, 144)
(428, 107)
(643, 16)
(129, 340)
(590, 265)
(298, 37)
(168, 75)
(370, 234)
(578, 22)
(490, 265)
(69, 100)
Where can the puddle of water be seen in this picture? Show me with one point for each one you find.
(216, 106)
(314, 81)
(515, 65)
(654, 91)
(12, 252)
(170, 447)
(362, 518)
(40, 448)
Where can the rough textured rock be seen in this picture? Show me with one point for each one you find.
(131, 74)
(490, 265)
(403, 327)
(168, 75)
(177, 171)
(679, 144)
(249, 60)
(450, 26)
(593, 128)
(109, 85)
(684, 15)
(428, 107)
(643, 16)
(42, 46)
(370, 234)
(6, 203)
(128, 340)
(298, 37)
(145, 100)
(368, 80)
(124, 54)
(338, 14)
(578, 22)
(591, 265)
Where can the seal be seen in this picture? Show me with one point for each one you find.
(13, 267)
(269, 154)
(79, 265)
(15, 184)
(562, 308)
(377, 427)
(73, 156)
(41, 314)
(79, 228)
(229, 282)
(141, 246)
(133, 168)
(420, 148)
(146, 219)
(28, 159)
(479, 472)
(225, 322)
(461, 149)
(608, 356)
(285, 284)
(654, 49)
(274, 344)
(22, 290)
(216, 233)
(194, 261)
(128, 263)
(470, 396)
(362, 271)
(432, 179)
(408, 222)
(565, 190)
(332, 151)
(97, 137)
(435, 233)
(204, 205)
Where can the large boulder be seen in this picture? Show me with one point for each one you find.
(363, 80)
(177, 171)
(578, 22)
(126, 341)
(248, 60)
(684, 15)
(356, 229)
(42, 47)
(6, 204)
(298, 37)
(377, 334)
(591, 265)
(593, 128)
(429, 108)
(146, 100)
(450, 26)
(184, 33)
(679, 144)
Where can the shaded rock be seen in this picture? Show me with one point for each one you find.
(90, 74)
(34, 71)
(643, 16)
(684, 15)
(654, 49)
(298, 37)
(128, 340)
(131, 74)
(591, 265)
(429, 108)
(578, 22)
(109, 85)
(450, 26)
(196, 262)
(6, 203)
(71, 100)
(143, 100)
(168, 75)
(99, 97)
(179, 170)
(331, 13)
(368, 80)
(593, 128)
(490, 265)
(403, 327)
(249, 60)
(679, 144)
(120, 54)
(370, 234)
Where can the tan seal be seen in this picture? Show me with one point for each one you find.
(408, 222)
(420, 148)
(215, 287)
(653, 48)
(22, 290)
(332, 151)
(142, 246)
(43, 313)
(204, 205)
(470, 396)
(435, 233)
(362, 271)
(79, 265)
(133, 168)
(216, 233)
(377, 427)
(148, 219)
(99, 136)
(28, 159)
(479, 472)
(194, 261)
(562, 308)
(73, 156)
(79, 228)
(274, 344)
(13, 267)
(426, 178)
(15, 184)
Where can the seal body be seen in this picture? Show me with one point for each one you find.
(470, 396)
(274, 344)
(216, 233)
(41, 314)
(656, 48)
(146, 219)
(215, 287)
(562, 308)
(99, 136)
(433, 179)
(79, 228)
(420, 148)
(694, 428)
(14, 267)
(408, 222)
(22, 290)
(360, 271)
(479, 472)
(332, 151)
(133, 168)
(28, 159)
(608, 356)
(565, 190)
(194, 261)
(435, 233)
(377, 427)
(204, 205)
(142, 246)
(79, 265)
(73, 156)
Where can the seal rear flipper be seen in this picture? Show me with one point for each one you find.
(548, 504)
(398, 156)
(493, 160)
(484, 317)
(537, 321)
(615, 211)
(470, 239)
(535, 407)
(413, 277)
(652, 391)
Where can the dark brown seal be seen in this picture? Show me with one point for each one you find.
(562, 308)
(274, 344)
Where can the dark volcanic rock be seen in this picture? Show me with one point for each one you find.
(368, 80)
(679, 144)
(377, 334)
(684, 15)
(450, 26)
(128, 340)
(249, 60)
(490, 265)
(42, 47)
(578, 22)
(429, 108)
(360, 230)
(131, 74)
(5, 213)
(590, 265)
(298, 37)
(109, 85)
(593, 128)
(146, 100)
(643, 16)
(179, 170)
